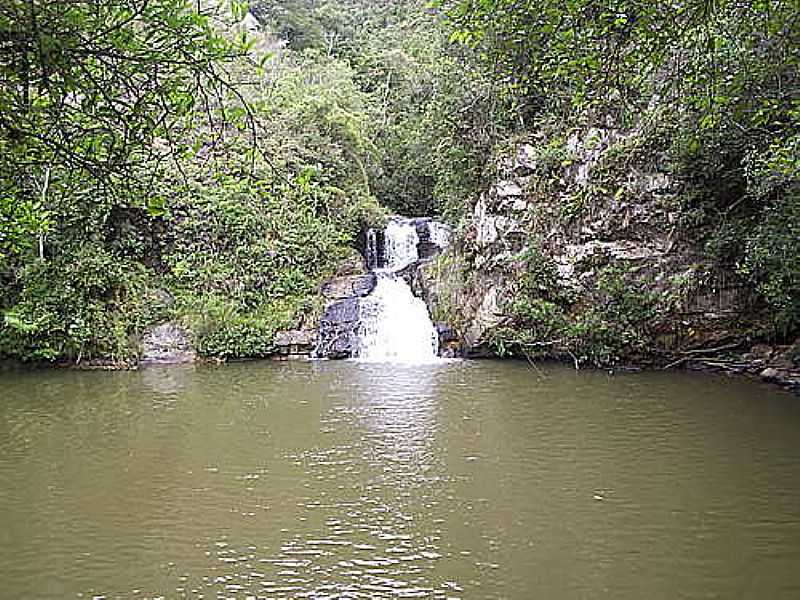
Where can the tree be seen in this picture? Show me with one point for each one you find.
(586, 53)
(92, 95)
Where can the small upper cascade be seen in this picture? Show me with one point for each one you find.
(404, 242)
(374, 251)
(440, 234)
(401, 243)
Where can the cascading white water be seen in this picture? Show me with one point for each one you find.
(401, 244)
(395, 324)
(373, 257)
(440, 234)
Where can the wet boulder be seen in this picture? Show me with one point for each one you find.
(338, 330)
(351, 286)
(449, 341)
(770, 374)
(426, 247)
(295, 344)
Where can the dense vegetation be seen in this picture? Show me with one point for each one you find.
(160, 162)
(716, 82)
(211, 163)
(705, 93)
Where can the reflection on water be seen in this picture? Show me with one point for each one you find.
(167, 381)
(398, 414)
(362, 539)
(354, 480)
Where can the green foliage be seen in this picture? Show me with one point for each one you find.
(92, 95)
(741, 197)
(540, 277)
(294, 21)
(609, 54)
(580, 53)
(145, 145)
(261, 235)
(92, 305)
(246, 257)
(20, 223)
(772, 258)
(239, 233)
(320, 120)
(223, 329)
(433, 113)
(618, 325)
(544, 319)
(441, 117)
(337, 27)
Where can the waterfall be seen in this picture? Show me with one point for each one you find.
(401, 241)
(440, 234)
(395, 324)
(375, 249)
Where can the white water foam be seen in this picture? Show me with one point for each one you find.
(395, 325)
(440, 234)
(401, 244)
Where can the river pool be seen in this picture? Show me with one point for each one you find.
(470, 480)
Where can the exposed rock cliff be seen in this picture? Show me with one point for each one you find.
(338, 328)
(580, 250)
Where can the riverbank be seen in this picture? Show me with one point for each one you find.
(430, 305)
(765, 364)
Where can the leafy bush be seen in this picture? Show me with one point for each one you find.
(244, 259)
(224, 329)
(772, 259)
(543, 319)
(91, 304)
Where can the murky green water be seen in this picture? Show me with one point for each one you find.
(344, 480)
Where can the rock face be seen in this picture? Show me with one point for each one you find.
(167, 344)
(428, 246)
(338, 330)
(778, 365)
(296, 344)
(449, 341)
(336, 336)
(352, 265)
(352, 286)
(573, 238)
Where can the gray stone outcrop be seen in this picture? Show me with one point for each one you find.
(631, 227)
(338, 330)
(295, 344)
(167, 344)
(351, 286)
